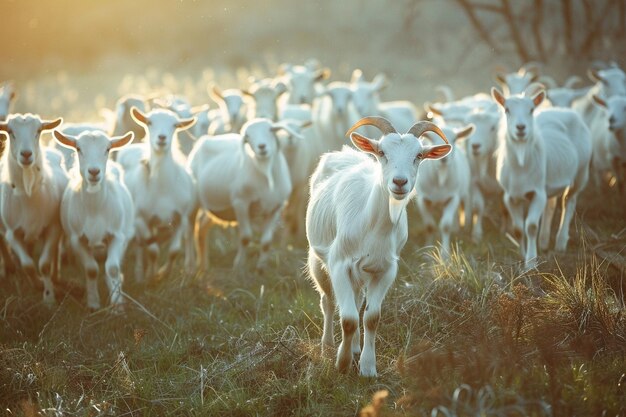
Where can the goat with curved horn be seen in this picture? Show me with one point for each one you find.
(381, 123)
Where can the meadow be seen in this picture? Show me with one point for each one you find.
(467, 336)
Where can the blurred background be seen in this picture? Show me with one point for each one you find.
(73, 57)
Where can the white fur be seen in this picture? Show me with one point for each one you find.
(542, 155)
(163, 192)
(445, 184)
(366, 99)
(244, 178)
(230, 115)
(32, 181)
(333, 113)
(97, 212)
(356, 225)
(609, 139)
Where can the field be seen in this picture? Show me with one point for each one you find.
(465, 337)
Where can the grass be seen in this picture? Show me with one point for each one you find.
(461, 337)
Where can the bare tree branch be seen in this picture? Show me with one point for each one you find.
(482, 32)
(567, 25)
(596, 29)
(515, 34)
(537, 22)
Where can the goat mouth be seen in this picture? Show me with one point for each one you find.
(262, 154)
(398, 194)
(26, 162)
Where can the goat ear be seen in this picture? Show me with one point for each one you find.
(380, 81)
(599, 101)
(539, 97)
(430, 108)
(306, 124)
(120, 141)
(215, 93)
(464, 132)
(65, 140)
(279, 126)
(364, 144)
(138, 116)
(51, 124)
(435, 152)
(357, 76)
(594, 76)
(185, 123)
(497, 96)
(281, 87)
(322, 74)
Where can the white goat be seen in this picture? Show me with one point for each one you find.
(356, 225)
(366, 99)
(123, 121)
(163, 192)
(333, 113)
(302, 152)
(300, 81)
(609, 82)
(32, 182)
(481, 146)
(564, 96)
(609, 136)
(242, 178)
(97, 211)
(445, 184)
(7, 96)
(543, 155)
(182, 107)
(265, 94)
(518, 82)
(230, 115)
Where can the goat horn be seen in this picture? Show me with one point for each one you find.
(380, 122)
(572, 81)
(419, 128)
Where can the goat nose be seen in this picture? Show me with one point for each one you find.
(612, 120)
(162, 138)
(94, 172)
(26, 154)
(520, 127)
(475, 146)
(400, 181)
(262, 146)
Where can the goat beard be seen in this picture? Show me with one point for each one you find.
(29, 178)
(396, 207)
(519, 150)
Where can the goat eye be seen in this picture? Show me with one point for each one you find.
(420, 156)
(506, 110)
(381, 153)
(78, 149)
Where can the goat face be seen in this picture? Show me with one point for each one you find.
(161, 125)
(259, 139)
(613, 81)
(24, 132)
(482, 141)
(93, 148)
(340, 96)
(399, 155)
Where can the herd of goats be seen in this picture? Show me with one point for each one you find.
(158, 173)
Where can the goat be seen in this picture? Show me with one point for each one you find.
(97, 211)
(356, 226)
